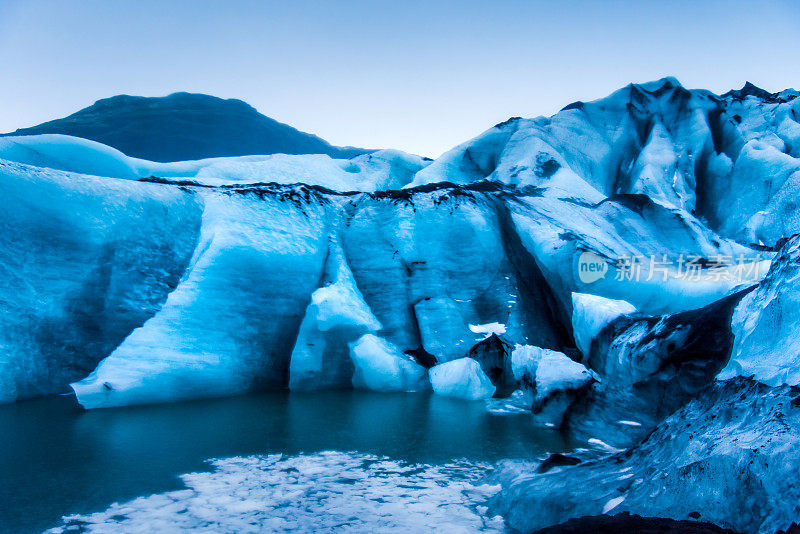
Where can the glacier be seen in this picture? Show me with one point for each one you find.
(624, 270)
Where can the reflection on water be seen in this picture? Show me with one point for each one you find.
(56, 459)
(321, 492)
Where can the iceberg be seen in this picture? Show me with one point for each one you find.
(462, 378)
(381, 366)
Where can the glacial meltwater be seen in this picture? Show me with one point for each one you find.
(326, 461)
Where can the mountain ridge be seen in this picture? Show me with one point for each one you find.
(185, 126)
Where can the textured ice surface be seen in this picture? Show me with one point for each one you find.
(732, 159)
(766, 322)
(431, 263)
(462, 378)
(83, 262)
(557, 230)
(555, 371)
(381, 366)
(729, 456)
(442, 328)
(590, 314)
(649, 366)
(323, 492)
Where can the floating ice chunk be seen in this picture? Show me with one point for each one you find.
(381, 366)
(488, 329)
(629, 423)
(462, 378)
(591, 313)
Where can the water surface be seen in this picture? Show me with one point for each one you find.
(56, 459)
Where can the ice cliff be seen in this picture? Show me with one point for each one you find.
(608, 267)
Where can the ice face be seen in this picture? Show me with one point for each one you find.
(233, 318)
(381, 366)
(462, 378)
(85, 261)
(336, 317)
(765, 323)
(227, 276)
(431, 263)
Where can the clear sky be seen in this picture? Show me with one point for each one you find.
(421, 76)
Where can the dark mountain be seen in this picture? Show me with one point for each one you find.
(186, 126)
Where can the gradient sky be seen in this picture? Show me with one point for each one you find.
(421, 76)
